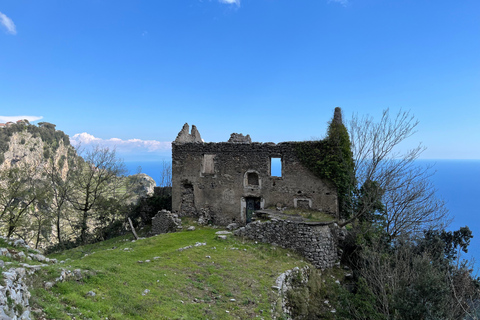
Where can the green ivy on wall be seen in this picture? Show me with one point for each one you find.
(332, 159)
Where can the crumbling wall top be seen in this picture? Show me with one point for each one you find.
(337, 116)
(239, 138)
(185, 137)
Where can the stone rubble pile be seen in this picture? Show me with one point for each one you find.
(205, 216)
(232, 226)
(198, 244)
(165, 222)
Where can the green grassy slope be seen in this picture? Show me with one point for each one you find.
(224, 279)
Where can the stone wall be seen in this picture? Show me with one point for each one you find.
(221, 178)
(162, 191)
(315, 241)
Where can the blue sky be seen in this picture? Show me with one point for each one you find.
(131, 73)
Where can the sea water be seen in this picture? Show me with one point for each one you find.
(458, 183)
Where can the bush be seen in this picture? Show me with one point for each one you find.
(413, 278)
(308, 293)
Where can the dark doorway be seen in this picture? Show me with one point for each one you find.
(253, 203)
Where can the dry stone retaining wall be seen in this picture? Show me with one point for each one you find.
(314, 241)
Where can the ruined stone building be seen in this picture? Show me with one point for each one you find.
(225, 182)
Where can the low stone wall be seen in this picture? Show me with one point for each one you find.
(315, 241)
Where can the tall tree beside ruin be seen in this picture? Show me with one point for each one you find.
(409, 204)
(338, 164)
(403, 258)
(332, 159)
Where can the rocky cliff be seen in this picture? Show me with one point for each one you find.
(34, 145)
(38, 146)
(142, 185)
(45, 187)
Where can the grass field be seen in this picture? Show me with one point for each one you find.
(224, 279)
(309, 215)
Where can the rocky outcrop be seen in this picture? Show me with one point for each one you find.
(37, 154)
(24, 148)
(14, 294)
(142, 185)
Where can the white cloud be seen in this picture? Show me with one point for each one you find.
(121, 146)
(237, 2)
(8, 23)
(15, 118)
(84, 138)
(342, 2)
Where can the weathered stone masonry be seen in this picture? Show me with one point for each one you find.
(220, 181)
(164, 222)
(315, 241)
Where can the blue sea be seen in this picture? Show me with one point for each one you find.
(457, 181)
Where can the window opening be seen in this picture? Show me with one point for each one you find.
(276, 167)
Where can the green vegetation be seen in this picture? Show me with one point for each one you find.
(332, 159)
(314, 294)
(146, 208)
(46, 131)
(413, 278)
(196, 283)
(404, 264)
(64, 198)
(409, 279)
(400, 260)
